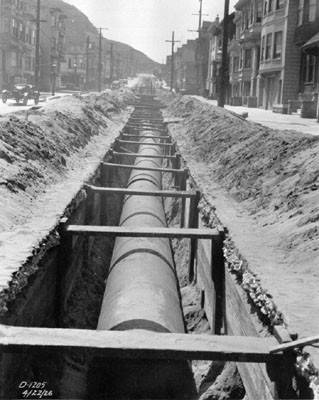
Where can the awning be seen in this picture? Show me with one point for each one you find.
(314, 41)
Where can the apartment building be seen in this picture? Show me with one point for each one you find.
(280, 57)
(52, 43)
(185, 68)
(73, 68)
(17, 42)
(244, 52)
(215, 32)
(202, 57)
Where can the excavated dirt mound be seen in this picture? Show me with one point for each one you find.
(264, 184)
(46, 154)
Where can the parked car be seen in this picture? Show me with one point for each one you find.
(22, 92)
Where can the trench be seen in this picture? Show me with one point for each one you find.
(102, 281)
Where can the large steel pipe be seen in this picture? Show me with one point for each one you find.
(142, 293)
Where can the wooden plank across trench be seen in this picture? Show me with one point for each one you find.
(145, 143)
(146, 136)
(138, 344)
(97, 230)
(136, 167)
(155, 193)
(116, 153)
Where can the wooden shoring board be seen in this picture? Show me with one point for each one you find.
(146, 119)
(146, 136)
(149, 137)
(155, 193)
(255, 378)
(138, 344)
(116, 153)
(145, 127)
(96, 230)
(136, 167)
(258, 379)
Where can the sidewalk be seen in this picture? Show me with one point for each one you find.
(272, 120)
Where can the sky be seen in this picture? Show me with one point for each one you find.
(146, 24)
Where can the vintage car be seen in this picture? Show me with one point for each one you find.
(21, 92)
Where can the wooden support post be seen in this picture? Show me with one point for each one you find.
(218, 276)
(282, 373)
(103, 199)
(193, 223)
(183, 182)
(177, 166)
(89, 216)
(64, 260)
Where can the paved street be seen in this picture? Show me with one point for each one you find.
(12, 106)
(273, 120)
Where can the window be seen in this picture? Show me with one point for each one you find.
(300, 12)
(28, 63)
(251, 13)
(268, 46)
(6, 25)
(14, 27)
(242, 20)
(248, 58)
(246, 88)
(70, 63)
(53, 44)
(33, 37)
(305, 16)
(21, 31)
(259, 11)
(270, 6)
(14, 59)
(280, 4)
(235, 64)
(53, 20)
(306, 11)
(265, 7)
(312, 10)
(308, 68)
(262, 53)
(278, 45)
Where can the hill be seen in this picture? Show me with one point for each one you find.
(78, 27)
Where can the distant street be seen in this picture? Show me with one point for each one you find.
(11, 106)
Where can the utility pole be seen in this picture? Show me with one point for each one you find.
(111, 64)
(200, 14)
(100, 60)
(224, 66)
(37, 48)
(87, 62)
(197, 50)
(173, 41)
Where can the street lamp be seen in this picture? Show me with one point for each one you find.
(53, 78)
